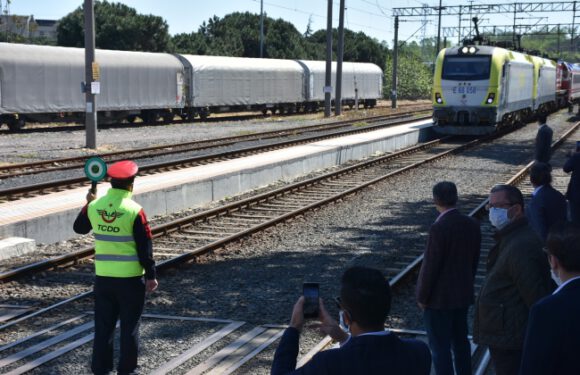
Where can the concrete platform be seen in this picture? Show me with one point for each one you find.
(15, 246)
(49, 218)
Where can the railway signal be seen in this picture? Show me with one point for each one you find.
(95, 170)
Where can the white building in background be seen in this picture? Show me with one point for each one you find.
(28, 27)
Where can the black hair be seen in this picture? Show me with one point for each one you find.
(513, 194)
(540, 173)
(123, 184)
(445, 194)
(366, 295)
(542, 118)
(564, 243)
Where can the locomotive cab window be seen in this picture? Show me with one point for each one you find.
(472, 68)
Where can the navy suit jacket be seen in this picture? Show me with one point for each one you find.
(543, 144)
(573, 165)
(368, 355)
(552, 344)
(547, 207)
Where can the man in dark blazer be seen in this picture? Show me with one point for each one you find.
(552, 345)
(365, 301)
(548, 205)
(572, 165)
(445, 285)
(543, 140)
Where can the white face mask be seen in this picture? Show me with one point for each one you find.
(498, 217)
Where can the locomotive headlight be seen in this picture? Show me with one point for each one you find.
(464, 50)
(490, 98)
(438, 98)
(471, 49)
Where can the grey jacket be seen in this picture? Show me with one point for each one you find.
(518, 275)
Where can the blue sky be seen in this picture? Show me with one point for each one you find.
(373, 17)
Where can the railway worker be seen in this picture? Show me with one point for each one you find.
(552, 340)
(548, 205)
(365, 301)
(572, 165)
(445, 285)
(518, 275)
(123, 254)
(543, 140)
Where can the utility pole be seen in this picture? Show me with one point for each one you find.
(328, 77)
(439, 30)
(340, 52)
(558, 39)
(572, 44)
(395, 58)
(91, 72)
(261, 28)
(459, 38)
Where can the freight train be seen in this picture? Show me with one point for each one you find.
(45, 84)
(478, 89)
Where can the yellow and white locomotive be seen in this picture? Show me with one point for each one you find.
(477, 89)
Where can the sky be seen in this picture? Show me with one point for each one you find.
(373, 17)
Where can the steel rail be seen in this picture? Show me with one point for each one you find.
(17, 170)
(47, 187)
(158, 231)
(477, 212)
(167, 228)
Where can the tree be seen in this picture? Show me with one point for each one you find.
(238, 34)
(358, 47)
(415, 76)
(117, 27)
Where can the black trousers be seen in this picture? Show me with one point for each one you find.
(505, 362)
(123, 299)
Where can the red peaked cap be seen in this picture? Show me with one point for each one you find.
(122, 170)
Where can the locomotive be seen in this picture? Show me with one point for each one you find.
(44, 84)
(478, 89)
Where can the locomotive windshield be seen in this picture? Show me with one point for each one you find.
(466, 68)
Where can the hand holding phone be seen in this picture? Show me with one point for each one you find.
(311, 302)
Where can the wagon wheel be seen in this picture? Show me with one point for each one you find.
(16, 124)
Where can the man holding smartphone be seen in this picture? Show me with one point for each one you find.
(572, 165)
(365, 301)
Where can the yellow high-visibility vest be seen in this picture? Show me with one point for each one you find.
(112, 218)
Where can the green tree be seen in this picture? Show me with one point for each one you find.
(238, 34)
(358, 47)
(117, 27)
(415, 77)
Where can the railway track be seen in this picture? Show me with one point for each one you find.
(330, 131)
(213, 229)
(402, 271)
(39, 128)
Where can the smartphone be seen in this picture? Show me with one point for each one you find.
(310, 292)
(577, 145)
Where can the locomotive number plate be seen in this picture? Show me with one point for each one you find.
(464, 90)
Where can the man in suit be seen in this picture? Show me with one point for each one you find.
(543, 140)
(572, 165)
(518, 275)
(547, 205)
(365, 301)
(445, 285)
(552, 342)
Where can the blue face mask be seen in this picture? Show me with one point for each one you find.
(498, 217)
